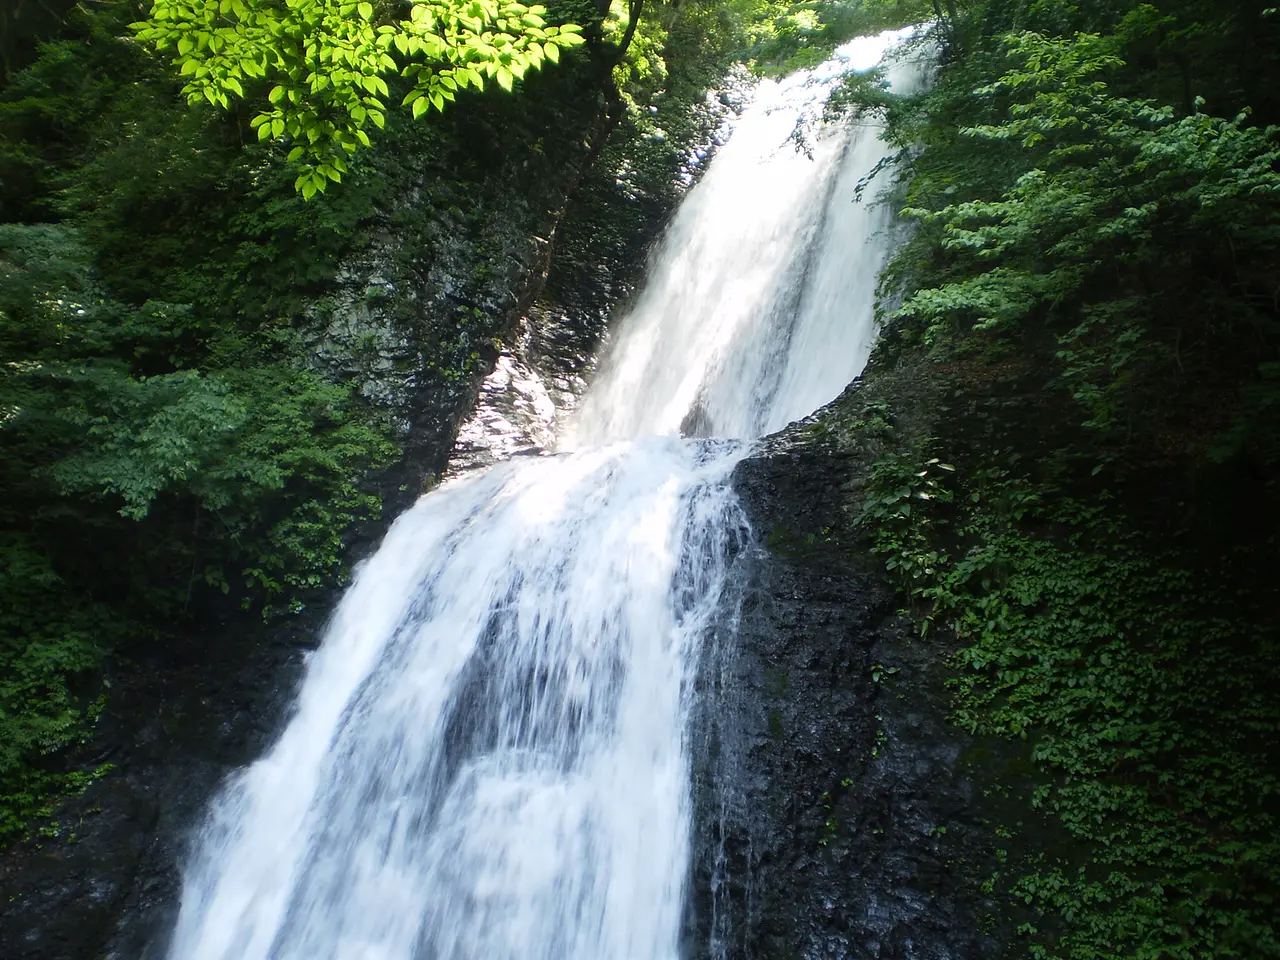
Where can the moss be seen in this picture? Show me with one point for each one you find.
(775, 724)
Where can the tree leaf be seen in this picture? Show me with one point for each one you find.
(325, 57)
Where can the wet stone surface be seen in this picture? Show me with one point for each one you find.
(515, 416)
(836, 817)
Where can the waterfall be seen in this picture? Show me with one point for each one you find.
(759, 307)
(488, 758)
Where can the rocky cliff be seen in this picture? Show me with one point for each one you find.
(840, 815)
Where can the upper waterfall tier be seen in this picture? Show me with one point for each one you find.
(760, 303)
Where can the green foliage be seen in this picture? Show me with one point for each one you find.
(144, 436)
(321, 63)
(1095, 191)
(1112, 181)
(152, 460)
(1142, 685)
(676, 51)
(782, 36)
(1056, 198)
(23, 24)
(46, 110)
(46, 654)
(240, 443)
(898, 488)
(642, 68)
(1253, 436)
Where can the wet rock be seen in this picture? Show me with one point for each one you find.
(514, 416)
(835, 817)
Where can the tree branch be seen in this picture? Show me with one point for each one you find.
(634, 9)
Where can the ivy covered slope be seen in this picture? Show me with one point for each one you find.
(208, 379)
(1092, 289)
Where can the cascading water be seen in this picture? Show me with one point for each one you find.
(760, 306)
(488, 759)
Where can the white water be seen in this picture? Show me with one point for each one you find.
(488, 758)
(759, 307)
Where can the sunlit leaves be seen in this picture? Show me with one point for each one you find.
(325, 61)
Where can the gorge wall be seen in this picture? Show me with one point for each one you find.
(1046, 513)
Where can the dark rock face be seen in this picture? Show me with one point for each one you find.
(107, 886)
(835, 816)
(417, 317)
